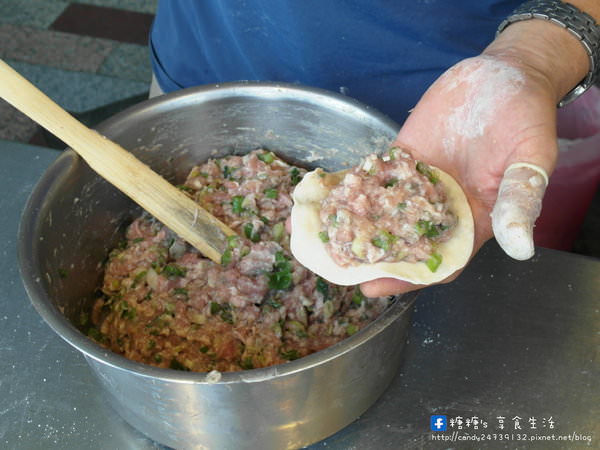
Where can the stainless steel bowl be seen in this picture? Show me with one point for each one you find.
(73, 218)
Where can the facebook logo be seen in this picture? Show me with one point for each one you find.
(439, 423)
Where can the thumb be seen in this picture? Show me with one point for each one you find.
(517, 206)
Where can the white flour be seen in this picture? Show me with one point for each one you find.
(487, 84)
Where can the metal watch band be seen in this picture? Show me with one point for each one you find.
(578, 23)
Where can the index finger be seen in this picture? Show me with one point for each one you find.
(382, 287)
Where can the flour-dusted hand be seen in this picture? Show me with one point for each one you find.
(490, 122)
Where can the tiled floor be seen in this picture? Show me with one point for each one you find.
(85, 55)
(91, 56)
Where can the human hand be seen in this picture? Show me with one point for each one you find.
(483, 116)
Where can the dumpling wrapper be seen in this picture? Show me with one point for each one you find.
(310, 251)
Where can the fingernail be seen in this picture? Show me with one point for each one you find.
(517, 207)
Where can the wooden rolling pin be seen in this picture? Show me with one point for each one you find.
(119, 167)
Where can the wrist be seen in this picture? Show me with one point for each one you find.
(546, 51)
(578, 18)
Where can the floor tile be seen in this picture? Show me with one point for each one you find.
(129, 62)
(42, 138)
(14, 125)
(37, 13)
(102, 22)
(78, 91)
(143, 6)
(90, 118)
(53, 48)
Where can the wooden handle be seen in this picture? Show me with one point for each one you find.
(119, 167)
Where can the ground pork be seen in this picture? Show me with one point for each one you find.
(387, 209)
(164, 304)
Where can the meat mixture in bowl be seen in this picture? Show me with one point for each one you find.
(164, 304)
(388, 209)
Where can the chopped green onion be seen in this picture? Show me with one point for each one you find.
(228, 171)
(247, 364)
(226, 257)
(96, 335)
(290, 355)
(391, 182)
(170, 308)
(139, 277)
(351, 329)
(281, 276)
(357, 297)
(293, 326)
(424, 169)
(226, 313)
(295, 176)
(173, 270)
(127, 312)
(176, 365)
(236, 204)
(324, 236)
(183, 187)
(401, 206)
(323, 287)
(223, 311)
(181, 291)
(385, 240)
(428, 229)
(434, 261)
(250, 233)
(248, 228)
(271, 193)
(233, 241)
(392, 152)
(280, 280)
(214, 308)
(278, 231)
(380, 243)
(273, 302)
(267, 157)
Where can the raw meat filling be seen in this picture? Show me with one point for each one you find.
(164, 304)
(388, 209)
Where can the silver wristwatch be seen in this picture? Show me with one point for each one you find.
(578, 23)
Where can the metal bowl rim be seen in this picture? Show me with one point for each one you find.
(258, 89)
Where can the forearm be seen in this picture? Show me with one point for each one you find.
(546, 50)
(591, 7)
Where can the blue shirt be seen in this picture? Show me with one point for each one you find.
(382, 52)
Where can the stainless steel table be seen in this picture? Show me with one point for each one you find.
(512, 340)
